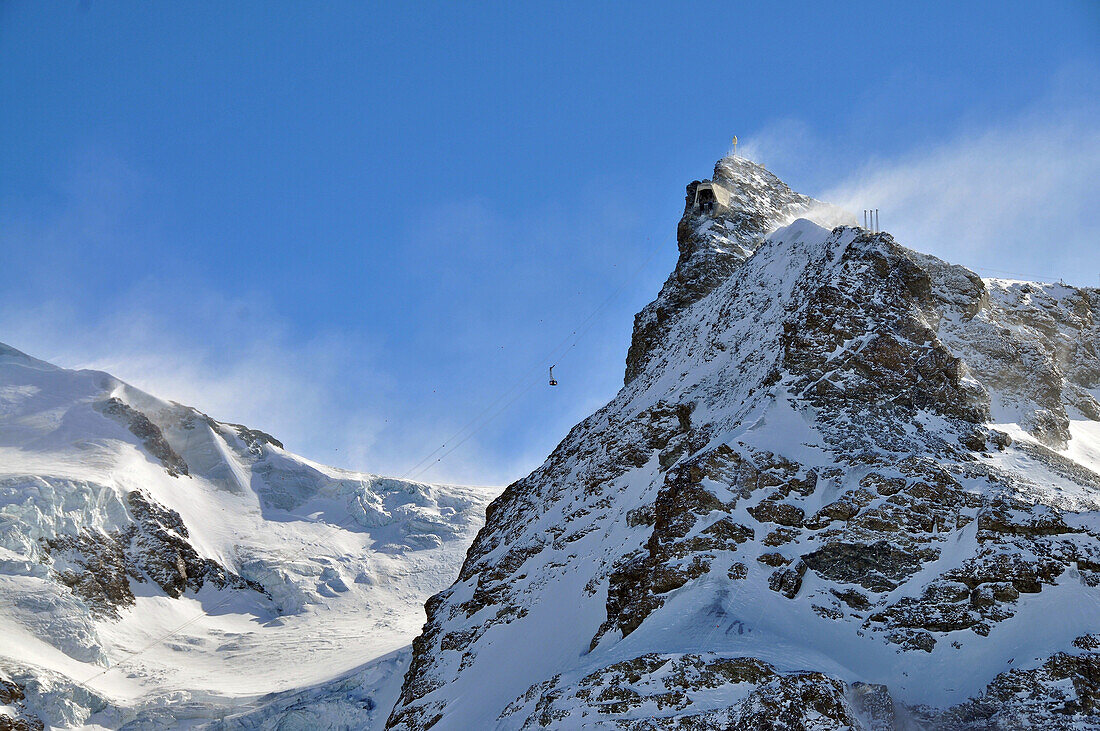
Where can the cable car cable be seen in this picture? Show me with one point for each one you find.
(586, 325)
(417, 470)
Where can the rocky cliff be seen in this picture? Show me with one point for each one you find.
(846, 485)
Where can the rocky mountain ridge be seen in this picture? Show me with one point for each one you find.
(846, 485)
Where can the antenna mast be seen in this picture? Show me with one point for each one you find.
(870, 219)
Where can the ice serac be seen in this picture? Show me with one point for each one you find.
(845, 485)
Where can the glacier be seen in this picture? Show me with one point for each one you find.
(158, 567)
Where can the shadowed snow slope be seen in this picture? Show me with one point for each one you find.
(845, 485)
(123, 517)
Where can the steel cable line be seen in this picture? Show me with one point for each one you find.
(485, 410)
(552, 356)
(584, 327)
(1038, 279)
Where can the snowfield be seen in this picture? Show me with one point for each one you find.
(282, 580)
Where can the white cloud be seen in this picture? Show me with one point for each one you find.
(331, 396)
(328, 397)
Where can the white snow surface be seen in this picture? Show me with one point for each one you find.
(346, 560)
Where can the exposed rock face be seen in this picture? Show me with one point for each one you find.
(13, 696)
(656, 692)
(98, 566)
(1035, 346)
(833, 493)
(1061, 693)
(148, 432)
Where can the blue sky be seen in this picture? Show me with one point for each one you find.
(356, 224)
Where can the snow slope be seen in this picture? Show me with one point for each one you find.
(124, 517)
(846, 485)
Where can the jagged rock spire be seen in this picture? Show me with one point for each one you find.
(712, 246)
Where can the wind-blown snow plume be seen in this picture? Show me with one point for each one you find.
(992, 195)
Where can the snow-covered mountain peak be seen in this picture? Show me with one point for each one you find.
(751, 203)
(753, 187)
(845, 485)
